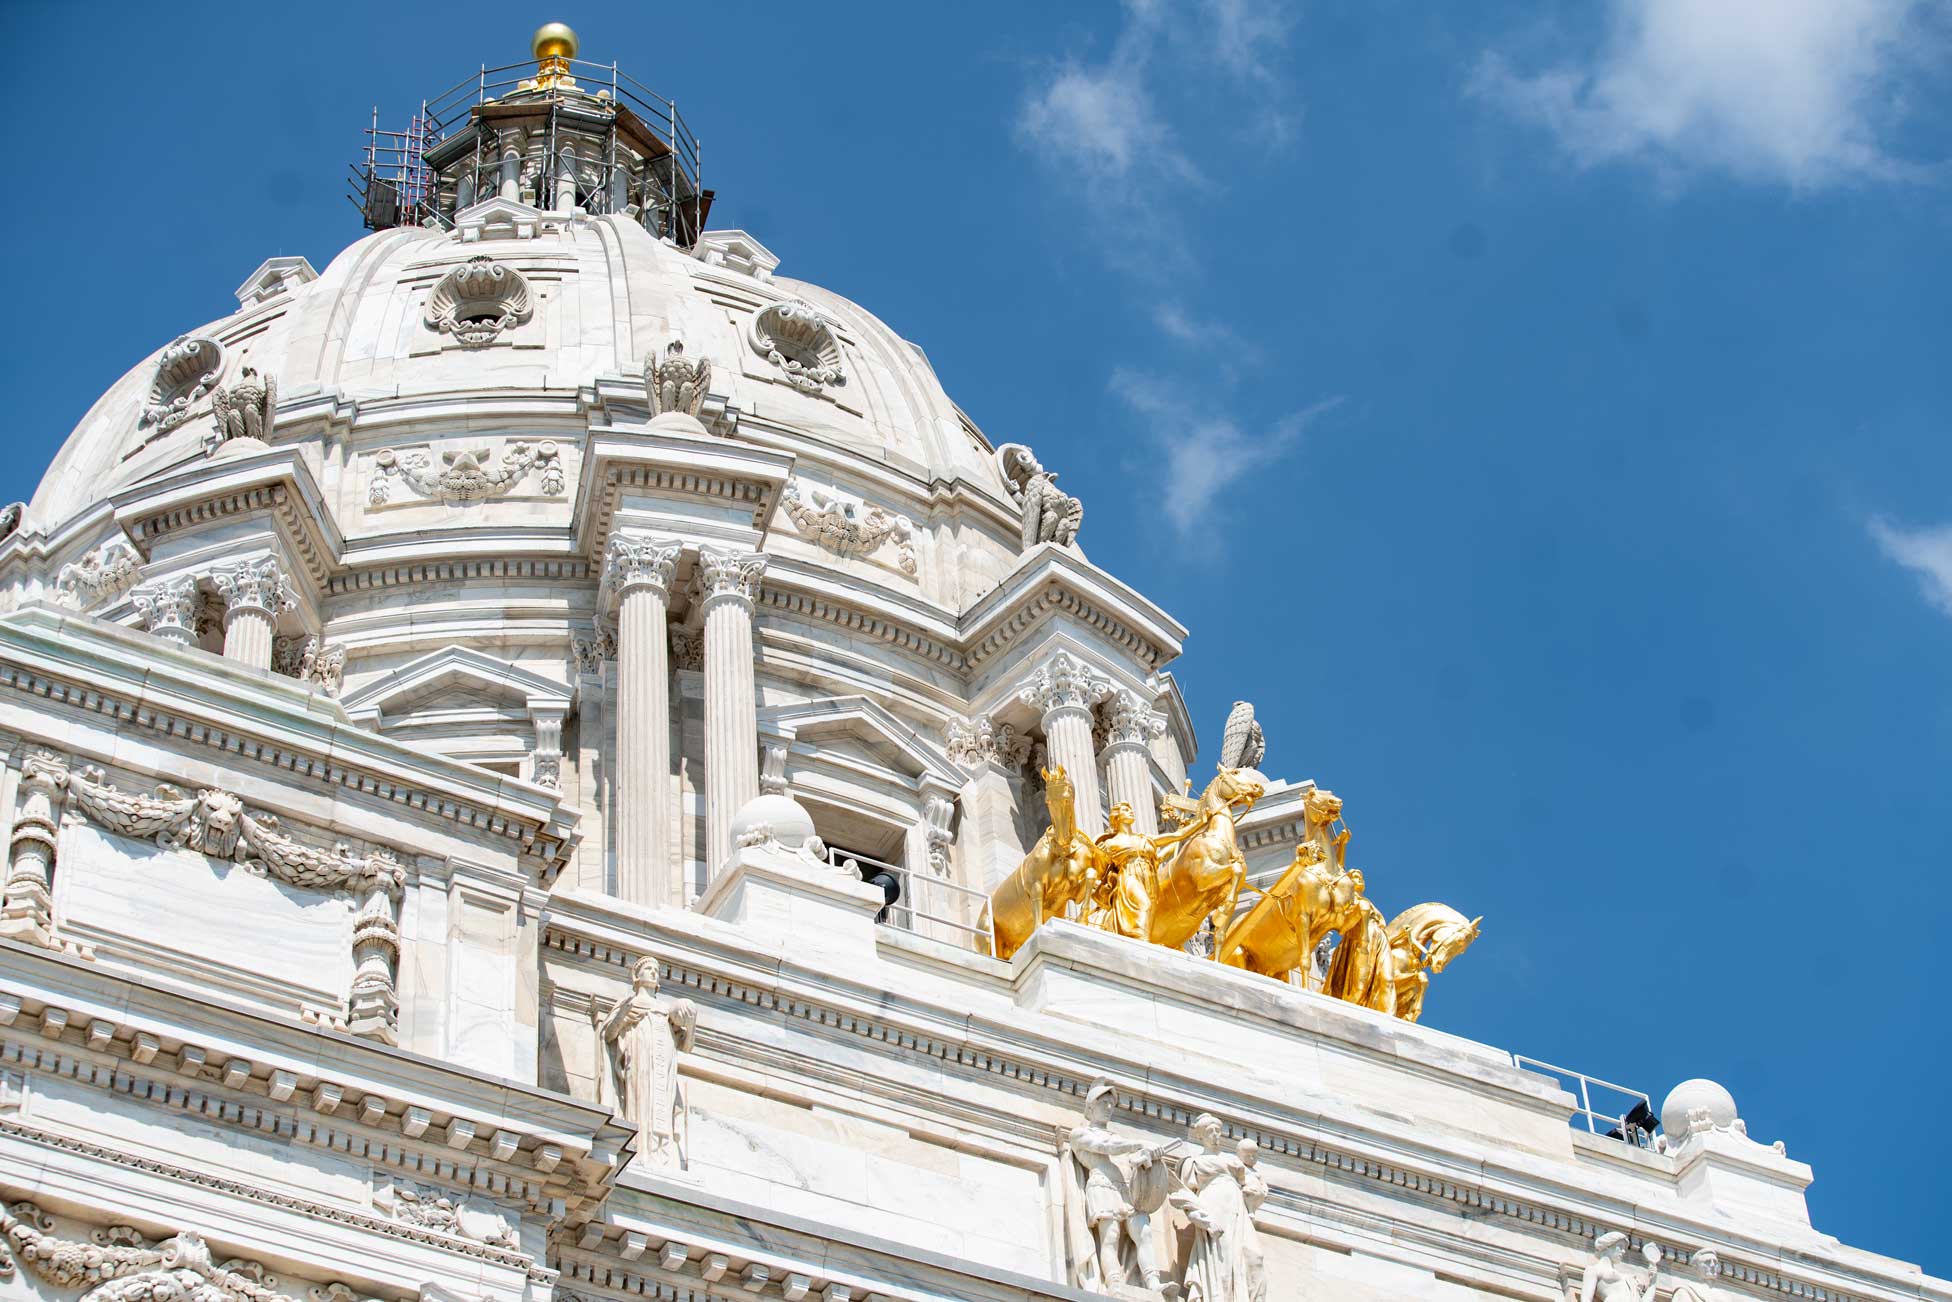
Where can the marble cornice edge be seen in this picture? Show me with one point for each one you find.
(313, 739)
(713, 970)
(63, 1017)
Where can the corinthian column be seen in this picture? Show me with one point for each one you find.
(168, 608)
(1063, 691)
(27, 907)
(728, 581)
(1131, 725)
(637, 574)
(253, 593)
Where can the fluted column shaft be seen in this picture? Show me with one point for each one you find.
(637, 571)
(1132, 724)
(728, 582)
(253, 592)
(1064, 690)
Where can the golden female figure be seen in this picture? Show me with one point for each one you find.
(1362, 971)
(1131, 880)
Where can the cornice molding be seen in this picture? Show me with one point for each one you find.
(728, 474)
(714, 974)
(1052, 581)
(277, 482)
(421, 1116)
(191, 697)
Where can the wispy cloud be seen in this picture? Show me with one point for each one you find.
(1205, 450)
(1099, 126)
(1926, 552)
(1795, 92)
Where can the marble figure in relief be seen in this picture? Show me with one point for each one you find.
(1117, 1183)
(643, 1036)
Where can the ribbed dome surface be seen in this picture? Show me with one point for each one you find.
(606, 295)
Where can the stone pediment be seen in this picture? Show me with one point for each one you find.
(497, 219)
(457, 678)
(274, 276)
(857, 727)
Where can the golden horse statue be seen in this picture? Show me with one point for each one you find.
(1424, 939)
(1292, 917)
(1201, 878)
(1060, 870)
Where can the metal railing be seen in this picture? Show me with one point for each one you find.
(1583, 1087)
(396, 187)
(926, 899)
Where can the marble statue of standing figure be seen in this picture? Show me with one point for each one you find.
(1253, 1192)
(1214, 1203)
(644, 1036)
(1124, 1183)
(1607, 1278)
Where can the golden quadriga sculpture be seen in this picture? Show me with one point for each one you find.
(1167, 889)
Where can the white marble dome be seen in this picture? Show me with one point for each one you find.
(1691, 1096)
(605, 295)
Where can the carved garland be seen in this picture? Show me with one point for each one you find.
(184, 373)
(476, 301)
(119, 1265)
(216, 824)
(106, 573)
(466, 475)
(796, 337)
(847, 527)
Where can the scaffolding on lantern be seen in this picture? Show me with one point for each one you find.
(559, 134)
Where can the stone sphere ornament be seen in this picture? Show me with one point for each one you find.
(1691, 1096)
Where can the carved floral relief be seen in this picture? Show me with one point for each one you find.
(105, 573)
(846, 526)
(464, 476)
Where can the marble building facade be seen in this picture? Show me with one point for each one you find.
(464, 715)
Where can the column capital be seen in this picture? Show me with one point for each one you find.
(729, 575)
(975, 742)
(257, 586)
(1062, 683)
(638, 562)
(168, 607)
(1130, 720)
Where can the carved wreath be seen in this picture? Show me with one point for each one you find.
(184, 373)
(476, 301)
(795, 337)
(215, 823)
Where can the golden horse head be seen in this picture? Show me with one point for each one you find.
(1436, 932)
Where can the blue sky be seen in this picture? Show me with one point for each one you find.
(1538, 411)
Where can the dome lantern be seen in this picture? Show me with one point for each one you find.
(535, 134)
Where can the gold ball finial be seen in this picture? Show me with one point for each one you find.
(554, 41)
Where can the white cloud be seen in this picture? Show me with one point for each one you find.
(1927, 552)
(1107, 143)
(1798, 92)
(1097, 125)
(1206, 451)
